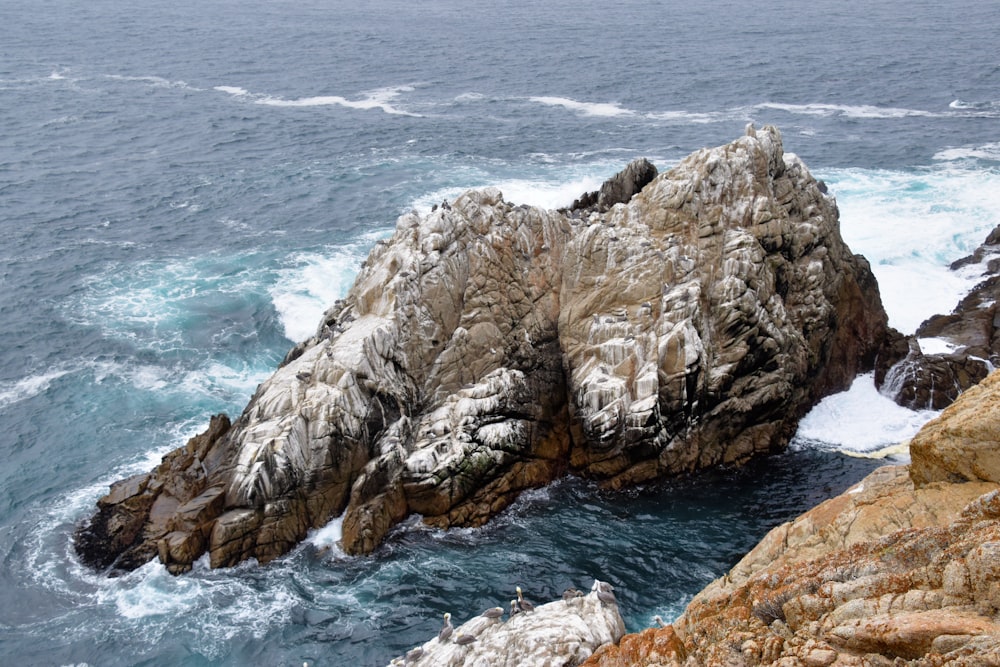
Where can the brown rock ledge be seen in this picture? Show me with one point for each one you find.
(902, 569)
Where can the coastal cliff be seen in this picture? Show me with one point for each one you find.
(668, 323)
(901, 569)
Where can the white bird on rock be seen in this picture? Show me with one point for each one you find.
(447, 629)
(523, 604)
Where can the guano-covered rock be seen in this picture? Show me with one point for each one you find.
(489, 347)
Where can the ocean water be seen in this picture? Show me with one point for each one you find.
(185, 186)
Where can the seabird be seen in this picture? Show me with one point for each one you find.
(523, 604)
(447, 629)
(414, 654)
(304, 377)
(494, 612)
(659, 621)
(570, 594)
(607, 597)
(462, 639)
(514, 609)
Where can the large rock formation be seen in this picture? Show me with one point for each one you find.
(487, 348)
(561, 633)
(919, 378)
(901, 569)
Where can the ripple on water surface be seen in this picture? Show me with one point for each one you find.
(657, 544)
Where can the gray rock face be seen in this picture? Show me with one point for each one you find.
(487, 348)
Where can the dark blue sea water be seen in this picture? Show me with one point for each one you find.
(184, 186)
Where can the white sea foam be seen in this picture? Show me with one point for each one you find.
(328, 537)
(847, 111)
(935, 346)
(606, 109)
(27, 387)
(380, 98)
(310, 285)
(232, 90)
(860, 420)
(990, 151)
(155, 81)
(911, 226)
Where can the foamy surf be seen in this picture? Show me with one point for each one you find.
(605, 109)
(911, 226)
(859, 420)
(28, 387)
(379, 98)
(310, 284)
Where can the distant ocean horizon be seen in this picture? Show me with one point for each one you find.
(185, 187)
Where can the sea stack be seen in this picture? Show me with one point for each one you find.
(489, 347)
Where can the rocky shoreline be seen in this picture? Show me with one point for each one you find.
(668, 323)
(902, 569)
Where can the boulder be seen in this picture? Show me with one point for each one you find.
(488, 348)
(564, 632)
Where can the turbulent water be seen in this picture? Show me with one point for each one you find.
(184, 186)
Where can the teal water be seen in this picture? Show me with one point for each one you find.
(184, 187)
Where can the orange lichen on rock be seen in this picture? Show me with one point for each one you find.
(889, 573)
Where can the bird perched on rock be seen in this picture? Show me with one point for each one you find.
(571, 594)
(523, 604)
(463, 639)
(446, 629)
(605, 592)
(659, 621)
(493, 612)
(514, 609)
(414, 654)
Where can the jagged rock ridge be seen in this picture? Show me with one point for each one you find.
(487, 348)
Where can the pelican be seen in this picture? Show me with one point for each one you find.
(514, 609)
(570, 594)
(659, 621)
(494, 612)
(523, 604)
(446, 629)
(462, 639)
(605, 592)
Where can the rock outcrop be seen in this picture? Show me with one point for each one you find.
(561, 633)
(487, 348)
(902, 569)
(923, 379)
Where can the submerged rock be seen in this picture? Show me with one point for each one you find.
(487, 348)
(901, 569)
(565, 632)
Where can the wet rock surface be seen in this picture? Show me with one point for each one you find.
(488, 347)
